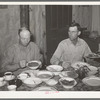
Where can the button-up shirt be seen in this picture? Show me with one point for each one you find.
(17, 52)
(68, 52)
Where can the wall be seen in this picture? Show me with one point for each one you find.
(38, 26)
(83, 15)
(9, 25)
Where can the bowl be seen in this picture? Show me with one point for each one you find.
(56, 69)
(71, 74)
(44, 75)
(51, 82)
(12, 87)
(32, 82)
(34, 64)
(67, 82)
(8, 76)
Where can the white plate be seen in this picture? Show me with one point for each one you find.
(3, 83)
(32, 82)
(54, 68)
(91, 81)
(44, 88)
(34, 67)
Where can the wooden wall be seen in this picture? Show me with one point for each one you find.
(9, 25)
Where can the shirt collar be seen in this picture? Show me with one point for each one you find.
(78, 42)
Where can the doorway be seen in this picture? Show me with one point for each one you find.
(58, 17)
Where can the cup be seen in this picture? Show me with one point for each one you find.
(22, 76)
(8, 75)
(1, 79)
(12, 87)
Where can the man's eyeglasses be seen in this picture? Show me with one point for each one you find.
(72, 31)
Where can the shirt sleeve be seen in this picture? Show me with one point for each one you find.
(57, 55)
(38, 55)
(7, 63)
(87, 50)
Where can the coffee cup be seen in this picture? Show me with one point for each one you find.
(8, 75)
(12, 87)
(22, 76)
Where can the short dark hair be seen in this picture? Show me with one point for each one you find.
(75, 24)
(23, 28)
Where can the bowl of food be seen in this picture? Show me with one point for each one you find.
(71, 74)
(44, 75)
(34, 64)
(32, 82)
(67, 82)
(51, 82)
(56, 69)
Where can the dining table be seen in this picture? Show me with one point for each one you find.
(80, 86)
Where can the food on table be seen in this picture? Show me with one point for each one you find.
(93, 55)
(66, 82)
(52, 82)
(44, 76)
(70, 69)
(31, 64)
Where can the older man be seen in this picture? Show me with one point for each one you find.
(72, 49)
(20, 53)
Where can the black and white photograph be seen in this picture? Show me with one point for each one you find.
(52, 48)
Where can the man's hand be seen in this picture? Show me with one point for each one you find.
(22, 63)
(65, 65)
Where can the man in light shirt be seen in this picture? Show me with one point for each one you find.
(72, 49)
(20, 53)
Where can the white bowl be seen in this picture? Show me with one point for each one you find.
(56, 69)
(44, 75)
(51, 82)
(67, 83)
(12, 87)
(32, 82)
(34, 64)
(22, 76)
(1, 79)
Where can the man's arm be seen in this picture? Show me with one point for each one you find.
(7, 63)
(57, 55)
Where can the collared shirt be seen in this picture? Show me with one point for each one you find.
(68, 52)
(16, 53)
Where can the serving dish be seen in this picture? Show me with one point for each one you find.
(71, 74)
(51, 82)
(67, 82)
(56, 69)
(44, 75)
(32, 82)
(34, 64)
(91, 81)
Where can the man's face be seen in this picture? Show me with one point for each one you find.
(73, 33)
(24, 37)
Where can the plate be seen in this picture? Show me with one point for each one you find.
(93, 56)
(34, 64)
(44, 88)
(71, 74)
(32, 82)
(91, 81)
(2, 83)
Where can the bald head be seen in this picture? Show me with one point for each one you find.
(24, 37)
